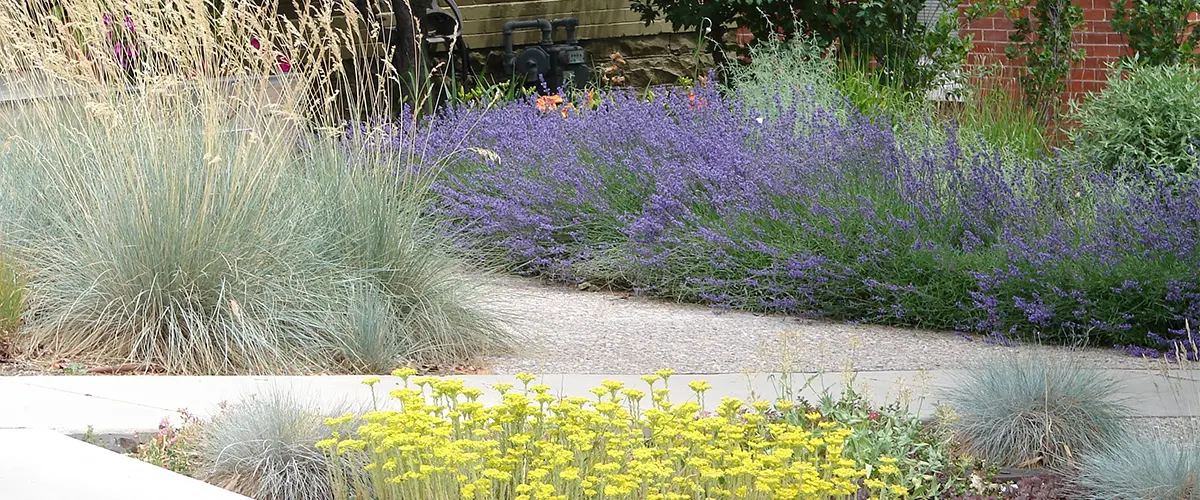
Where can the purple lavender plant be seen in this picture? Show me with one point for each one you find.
(692, 194)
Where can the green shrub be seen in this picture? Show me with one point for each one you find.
(993, 121)
(914, 54)
(1147, 117)
(1158, 31)
(264, 447)
(1134, 468)
(779, 66)
(1020, 411)
(930, 466)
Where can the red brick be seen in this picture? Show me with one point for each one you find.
(1078, 88)
(989, 48)
(1096, 62)
(1106, 51)
(986, 23)
(1095, 14)
(1093, 86)
(1095, 38)
(1090, 75)
(994, 36)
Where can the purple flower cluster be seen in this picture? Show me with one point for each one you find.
(124, 45)
(692, 194)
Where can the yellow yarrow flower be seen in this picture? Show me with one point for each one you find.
(538, 442)
(612, 385)
(569, 474)
(404, 373)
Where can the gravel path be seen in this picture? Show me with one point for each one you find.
(572, 331)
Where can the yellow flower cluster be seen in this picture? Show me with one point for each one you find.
(444, 443)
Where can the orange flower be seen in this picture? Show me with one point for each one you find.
(548, 102)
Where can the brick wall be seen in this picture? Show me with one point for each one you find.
(1101, 44)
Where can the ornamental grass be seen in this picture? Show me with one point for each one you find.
(176, 193)
(623, 442)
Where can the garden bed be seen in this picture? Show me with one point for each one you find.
(702, 195)
(493, 442)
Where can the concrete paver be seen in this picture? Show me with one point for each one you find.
(39, 464)
(121, 404)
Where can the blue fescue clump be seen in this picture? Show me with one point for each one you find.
(1137, 467)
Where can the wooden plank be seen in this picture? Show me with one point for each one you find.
(472, 26)
(539, 9)
(495, 40)
(595, 3)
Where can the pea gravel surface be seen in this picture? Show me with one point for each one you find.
(567, 330)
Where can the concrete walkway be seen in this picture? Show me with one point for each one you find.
(45, 465)
(113, 405)
(37, 413)
(565, 330)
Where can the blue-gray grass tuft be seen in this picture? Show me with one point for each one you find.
(1136, 467)
(264, 447)
(188, 221)
(1019, 410)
